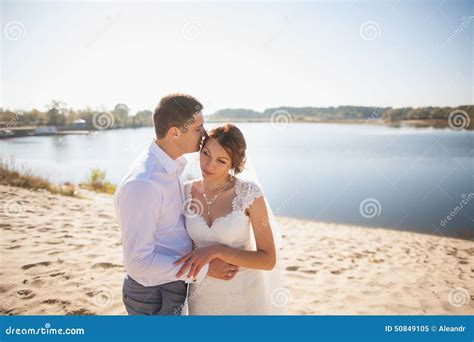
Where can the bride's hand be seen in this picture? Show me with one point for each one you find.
(196, 259)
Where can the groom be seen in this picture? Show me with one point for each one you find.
(149, 203)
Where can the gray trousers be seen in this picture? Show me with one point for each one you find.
(165, 299)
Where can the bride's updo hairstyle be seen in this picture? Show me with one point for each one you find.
(233, 141)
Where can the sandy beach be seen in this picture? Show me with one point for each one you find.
(62, 255)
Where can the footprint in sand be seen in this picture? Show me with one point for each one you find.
(54, 242)
(310, 271)
(25, 294)
(105, 265)
(81, 312)
(5, 288)
(56, 274)
(56, 301)
(43, 263)
(5, 226)
(292, 268)
(376, 261)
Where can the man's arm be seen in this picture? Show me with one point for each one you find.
(138, 206)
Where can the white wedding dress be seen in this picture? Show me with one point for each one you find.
(246, 293)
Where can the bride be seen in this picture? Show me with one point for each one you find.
(228, 217)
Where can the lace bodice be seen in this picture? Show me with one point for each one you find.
(232, 229)
(250, 292)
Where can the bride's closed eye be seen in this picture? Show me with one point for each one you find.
(219, 160)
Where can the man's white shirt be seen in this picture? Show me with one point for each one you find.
(149, 207)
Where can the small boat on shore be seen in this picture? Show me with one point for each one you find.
(19, 132)
(15, 132)
(78, 132)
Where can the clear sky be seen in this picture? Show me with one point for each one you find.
(239, 54)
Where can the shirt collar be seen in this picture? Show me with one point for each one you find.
(170, 165)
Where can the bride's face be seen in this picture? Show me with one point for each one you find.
(215, 161)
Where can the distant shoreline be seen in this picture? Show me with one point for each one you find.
(433, 123)
(422, 123)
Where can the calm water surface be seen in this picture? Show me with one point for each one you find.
(400, 178)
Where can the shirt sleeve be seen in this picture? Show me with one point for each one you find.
(137, 206)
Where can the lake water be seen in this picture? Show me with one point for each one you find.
(401, 178)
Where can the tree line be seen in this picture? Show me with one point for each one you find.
(347, 113)
(57, 114)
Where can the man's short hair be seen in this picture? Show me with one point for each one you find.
(175, 110)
